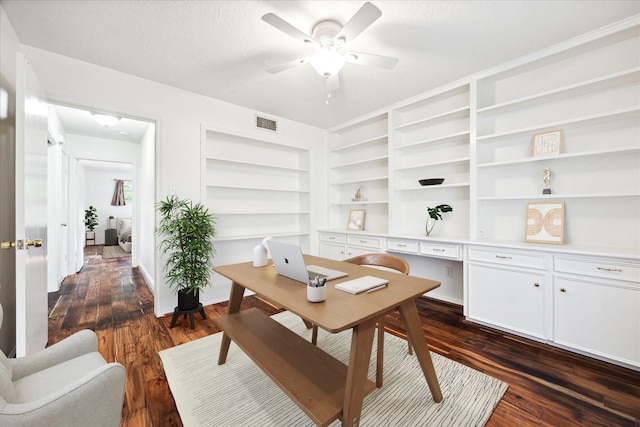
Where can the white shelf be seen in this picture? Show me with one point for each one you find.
(357, 181)
(257, 188)
(293, 233)
(561, 156)
(538, 197)
(553, 125)
(258, 212)
(376, 139)
(254, 164)
(365, 202)
(457, 113)
(419, 187)
(445, 138)
(569, 90)
(360, 162)
(460, 160)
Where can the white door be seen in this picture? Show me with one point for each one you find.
(30, 212)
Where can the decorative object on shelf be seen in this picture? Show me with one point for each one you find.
(547, 143)
(90, 218)
(359, 196)
(434, 215)
(431, 181)
(186, 231)
(356, 219)
(545, 222)
(547, 179)
(260, 251)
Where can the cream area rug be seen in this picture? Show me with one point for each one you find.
(114, 252)
(238, 393)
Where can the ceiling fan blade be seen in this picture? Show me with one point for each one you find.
(282, 67)
(333, 83)
(287, 28)
(364, 17)
(371, 60)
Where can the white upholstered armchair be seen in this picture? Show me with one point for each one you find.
(67, 384)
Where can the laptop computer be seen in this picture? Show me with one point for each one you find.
(288, 261)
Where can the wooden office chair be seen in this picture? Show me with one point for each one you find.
(389, 261)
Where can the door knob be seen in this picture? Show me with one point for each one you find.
(36, 243)
(7, 244)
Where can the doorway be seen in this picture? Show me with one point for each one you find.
(98, 156)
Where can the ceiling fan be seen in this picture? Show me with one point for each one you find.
(329, 39)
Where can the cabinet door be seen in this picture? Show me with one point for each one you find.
(508, 298)
(598, 318)
(356, 251)
(332, 251)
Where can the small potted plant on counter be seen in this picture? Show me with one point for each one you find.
(435, 214)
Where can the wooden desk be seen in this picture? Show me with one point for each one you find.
(321, 386)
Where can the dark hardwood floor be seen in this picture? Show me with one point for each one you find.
(547, 386)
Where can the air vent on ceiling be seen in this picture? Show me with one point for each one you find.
(267, 124)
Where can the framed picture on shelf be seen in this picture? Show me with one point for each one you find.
(545, 222)
(356, 219)
(547, 143)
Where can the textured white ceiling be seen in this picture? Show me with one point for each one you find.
(221, 48)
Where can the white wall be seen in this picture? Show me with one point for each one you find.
(98, 190)
(179, 116)
(146, 203)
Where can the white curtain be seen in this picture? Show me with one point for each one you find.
(118, 194)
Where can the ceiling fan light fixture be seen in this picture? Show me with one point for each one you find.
(327, 62)
(106, 120)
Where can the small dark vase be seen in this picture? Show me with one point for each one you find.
(188, 301)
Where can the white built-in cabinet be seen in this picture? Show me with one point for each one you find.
(477, 134)
(509, 289)
(340, 246)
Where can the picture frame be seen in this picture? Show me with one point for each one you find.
(545, 222)
(356, 219)
(547, 143)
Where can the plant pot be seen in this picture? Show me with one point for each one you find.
(188, 301)
(430, 224)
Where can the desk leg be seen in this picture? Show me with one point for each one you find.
(415, 333)
(235, 300)
(361, 342)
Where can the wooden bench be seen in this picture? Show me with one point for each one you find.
(313, 379)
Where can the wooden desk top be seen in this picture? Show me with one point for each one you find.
(340, 310)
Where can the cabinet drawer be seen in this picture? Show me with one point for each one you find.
(333, 237)
(369, 242)
(598, 267)
(508, 257)
(408, 246)
(440, 250)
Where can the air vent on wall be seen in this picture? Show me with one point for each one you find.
(267, 124)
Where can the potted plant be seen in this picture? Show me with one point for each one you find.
(90, 223)
(186, 230)
(435, 214)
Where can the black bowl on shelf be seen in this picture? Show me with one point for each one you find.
(431, 181)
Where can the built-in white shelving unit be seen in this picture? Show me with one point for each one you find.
(431, 139)
(591, 93)
(256, 188)
(359, 158)
(477, 134)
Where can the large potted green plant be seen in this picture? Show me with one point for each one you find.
(90, 218)
(90, 223)
(186, 232)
